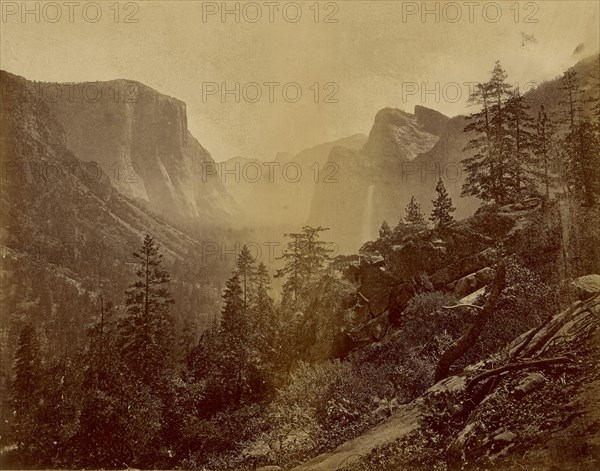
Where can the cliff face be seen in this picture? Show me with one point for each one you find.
(139, 137)
(51, 197)
(63, 222)
(400, 136)
(405, 155)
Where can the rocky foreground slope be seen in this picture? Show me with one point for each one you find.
(535, 405)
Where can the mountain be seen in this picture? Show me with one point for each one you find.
(67, 232)
(400, 136)
(549, 93)
(278, 193)
(404, 156)
(139, 137)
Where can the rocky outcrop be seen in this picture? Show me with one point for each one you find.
(586, 286)
(397, 136)
(539, 410)
(456, 259)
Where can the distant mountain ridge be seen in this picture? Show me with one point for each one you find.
(282, 195)
(405, 156)
(139, 137)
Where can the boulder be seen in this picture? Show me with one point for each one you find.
(462, 268)
(529, 383)
(373, 283)
(473, 282)
(586, 286)
(466, 285)
(505, 437)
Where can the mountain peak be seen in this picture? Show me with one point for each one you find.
(399, 136)
(431, 120)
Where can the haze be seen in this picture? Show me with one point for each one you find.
(370, 54)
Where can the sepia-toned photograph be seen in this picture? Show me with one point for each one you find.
(311, 235)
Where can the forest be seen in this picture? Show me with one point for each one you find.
(278, 380)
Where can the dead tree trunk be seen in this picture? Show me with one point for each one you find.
(466, 341)
(514, 366)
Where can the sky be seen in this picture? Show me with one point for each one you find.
(348, 58)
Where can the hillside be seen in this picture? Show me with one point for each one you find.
(139, 139)
(528, 417)
(68, 234)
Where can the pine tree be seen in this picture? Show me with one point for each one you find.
(385, 232)
(571, 96)
(233, 318)
(234, 343)
(583, 167)
(305, 257)
(99, 438)
(521, 143)
(414, 216)
(265, 333)
(146, 333)
(26, 391)
(581, 145)
(261, 301)
(488, 169)
(442, 207)
(542, 152)
(245, 268)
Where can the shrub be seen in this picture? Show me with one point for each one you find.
(322, 406)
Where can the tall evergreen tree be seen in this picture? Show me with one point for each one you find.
(305, 258)
(581, 145)
(245, 268)
(234, 343)
(521, 142)
(233, 318)
(26, 391)
(414, 216)
(583, 167)
(571, 96)
(442, 207)
(543, 150)
(488, 169)
(265, 332)
(146, 332)
(99, 438)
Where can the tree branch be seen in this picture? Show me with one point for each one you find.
(466, 341)
(513, 366)
(463, 305)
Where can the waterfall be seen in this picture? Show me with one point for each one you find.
(367, 219)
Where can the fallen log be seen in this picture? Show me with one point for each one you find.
(513, 366)
(466, 341)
